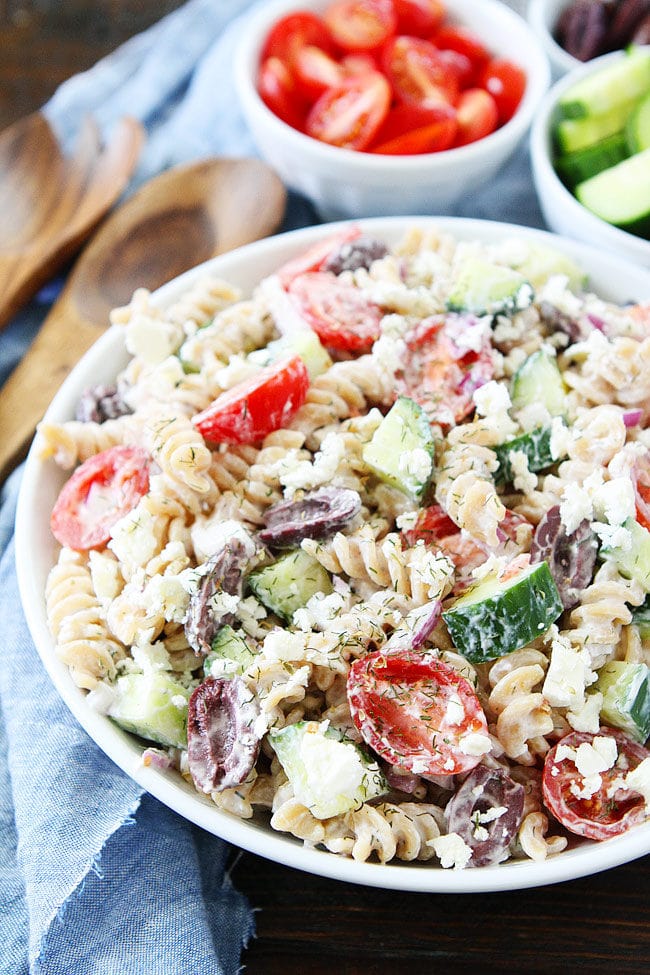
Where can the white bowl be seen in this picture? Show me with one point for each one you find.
(36, 552)
(543, 15)
(562, 211)
(345, 183)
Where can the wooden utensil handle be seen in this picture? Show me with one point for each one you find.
(60, 343)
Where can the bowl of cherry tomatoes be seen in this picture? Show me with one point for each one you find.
(380, 107)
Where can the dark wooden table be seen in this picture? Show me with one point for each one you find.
(307, 924)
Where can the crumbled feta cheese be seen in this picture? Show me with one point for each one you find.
(249, 613)
(320, 611)
(568, 674)
(281, 644)
(239, 368)
(475, 744)
(561, 438)
(151, 658)
(491, 398)
(167, 595)
(152, 339)
(133, 538)
(101, 698)
(106, 576)
(638, 779)
(614, 500)
(587, 716)
(454, 712)
(213, 533)
(433, 569)
(416, 463)
(575, 507)
(305, 475)
(524, 480)
(388, 352)
(452, 851)
(613, 536)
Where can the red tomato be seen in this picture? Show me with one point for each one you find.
(359, 63)
(439, 374)
(101, 491)
(315, 256)
(257, 406)
(603, 814)
(403, 706)
(316, 71)
(434, 527)
(464, 41)
(411, 129)
(293, 32)
(432, 524)
(361, 25)
(506, 82)
(459, 66)
(418, 18)
(476, 114)
(342, 317)
(349, 114)
(641, 481)
(278, 91)
(417, 73)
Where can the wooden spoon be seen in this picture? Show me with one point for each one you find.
(175, 221)
(50, 203)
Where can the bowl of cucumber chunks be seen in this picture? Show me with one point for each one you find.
(590, 153)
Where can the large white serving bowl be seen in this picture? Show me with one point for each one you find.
(344, 183)
(36, 552)
(563, 213)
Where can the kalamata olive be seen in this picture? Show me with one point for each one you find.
(582, 30)
(571, 558)
(222, 745)
(316, 515)
(100, 403)
(353, 254)
(486, 812)
(224, 574)
(558, 321)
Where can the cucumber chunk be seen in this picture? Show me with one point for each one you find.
(626, 697)
(542, 262)
(572, 135)
(288, 584)
(535, 445)
(230, 654)
(641, 618)
(576, 167)
(609, 89)
(329, 774)
(621, 195)
(496, 616)
(402, 448)
(304, 343)
(483, 288)
(539, 380)
(637, 130)
(632, 561)
(153, 706)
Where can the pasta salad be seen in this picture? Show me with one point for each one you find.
(366, 551)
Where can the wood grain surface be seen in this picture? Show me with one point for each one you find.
(306, 924)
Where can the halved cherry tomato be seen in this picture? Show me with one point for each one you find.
(416, 712)
(361, 25)
(340, 314)
(419, 18)
(476, 115)
(412, 129)
(435, 528)
(315, 256)
(641, 482)
(465, 41)
(610, 810)
(101, 491)
(459, 65)
(359, 62)
(417, 73)
(349, 114)
(506, 82)
(293, 32)
(316, 71)
(440, 374)
(257, 406)
(279, 92)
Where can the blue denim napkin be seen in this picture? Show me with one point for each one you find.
(97, 878)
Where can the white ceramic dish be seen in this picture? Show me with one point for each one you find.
(37, 551)
(343, 183)
(562, 211)
(542, 17)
